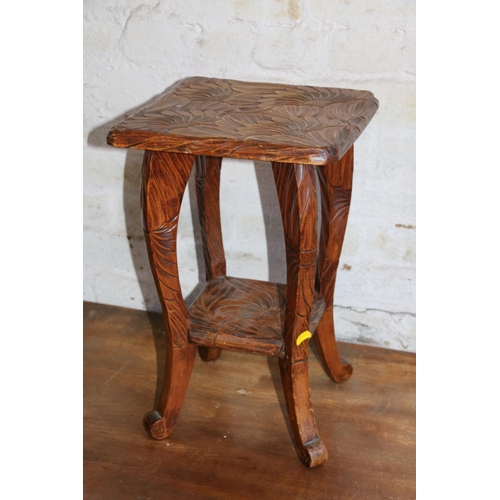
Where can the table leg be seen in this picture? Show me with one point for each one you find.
(296, 186)
(336, 185)
(208, 199)
(164, 179)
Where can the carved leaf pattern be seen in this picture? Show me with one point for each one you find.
(264, 121)
(298, 204)
(163, 183)
(207, 195)
(243, 314)
(335, 183)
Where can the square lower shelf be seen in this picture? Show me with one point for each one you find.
(243, 315)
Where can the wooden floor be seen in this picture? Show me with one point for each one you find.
(231, 439)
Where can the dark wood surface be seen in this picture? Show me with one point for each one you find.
(231, 438)
(254, 121)
(208, 170)
(243, 315)
(298, 202)
(335, 187)
(164, 179)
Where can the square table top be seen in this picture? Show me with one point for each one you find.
(255, 121)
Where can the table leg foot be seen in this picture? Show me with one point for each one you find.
(324, 338)
(308, 445)
(209, 353)
(179, 365)
(154, 424)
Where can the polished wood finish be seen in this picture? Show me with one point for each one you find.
(335, 184)
(307, 133)
(368, 424)
(243, 315)
(296, 189)
(207, 195)
(164, 178)
(253, 121)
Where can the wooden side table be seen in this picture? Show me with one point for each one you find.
(306, 132)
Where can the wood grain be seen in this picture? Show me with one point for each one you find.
(243, 315)
(298, 204)
(208, 195)
(254, 121)
(297, 128)
(208, 170)
(164, 179)
(335, 182)
(367, 424)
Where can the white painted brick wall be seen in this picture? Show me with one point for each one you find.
(134, 49)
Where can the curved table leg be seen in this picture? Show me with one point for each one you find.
(164, 179)
(298, 203)
(336, 185)
(208, 199)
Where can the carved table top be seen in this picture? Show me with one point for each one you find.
(255, 121)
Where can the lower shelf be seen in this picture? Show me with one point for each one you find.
(243, 315)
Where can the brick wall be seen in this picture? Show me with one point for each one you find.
(135, 49)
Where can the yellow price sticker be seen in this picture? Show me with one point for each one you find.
(303, 336)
